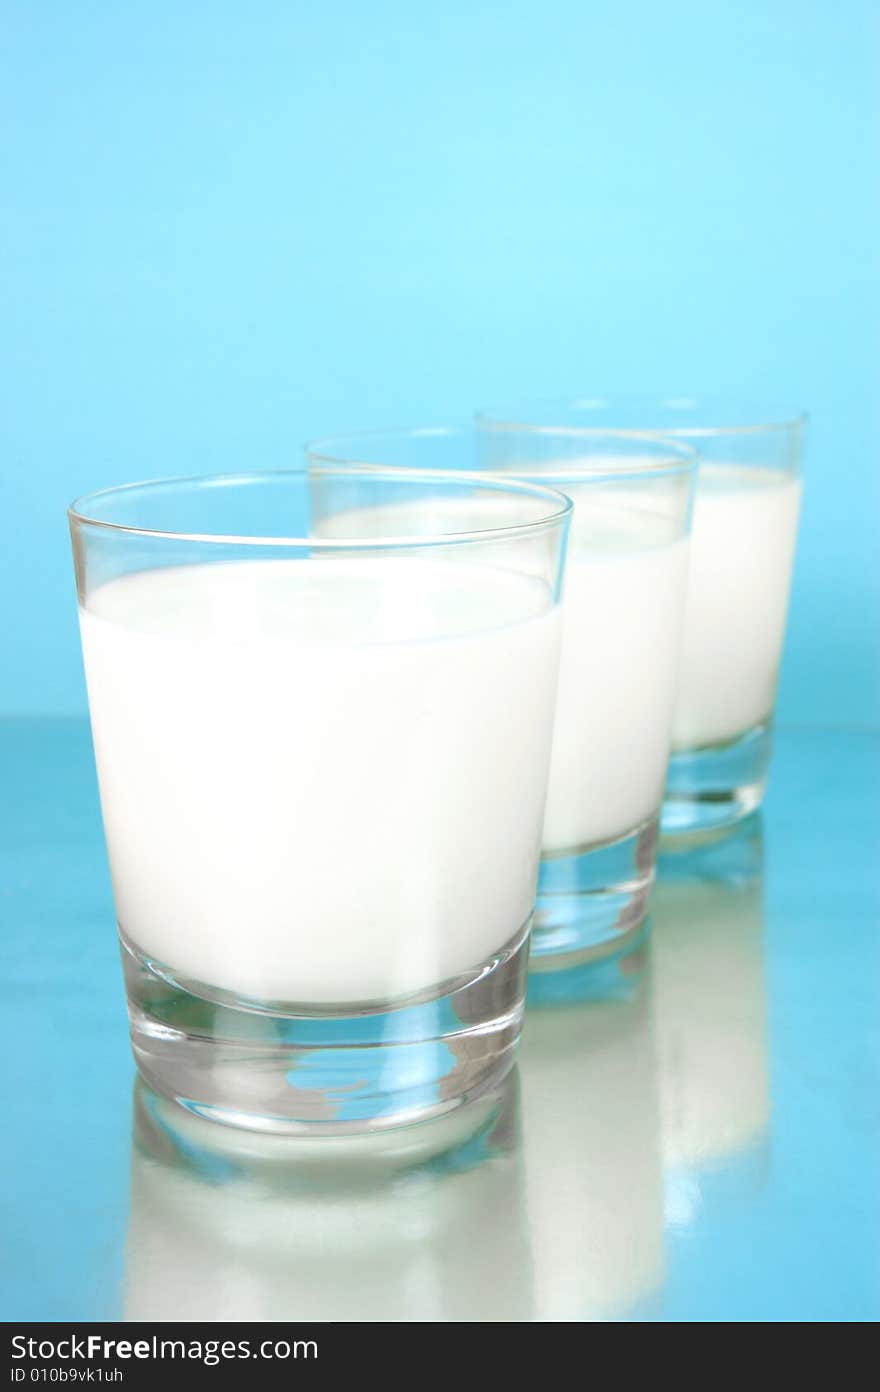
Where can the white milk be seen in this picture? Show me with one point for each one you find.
(742, 548)
(322, 781)
(624, 593)
(624, 597)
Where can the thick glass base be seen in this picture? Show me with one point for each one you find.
(593, 901)
(166, 1132)
(294, 1071)
(711, 789)
(617, 976)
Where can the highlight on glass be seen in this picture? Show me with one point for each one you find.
(322, 711)
(624, 596)
(742, 549)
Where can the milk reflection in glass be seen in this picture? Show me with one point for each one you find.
(372, 829)
(742, 547)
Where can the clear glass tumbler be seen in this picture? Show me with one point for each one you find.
(624, 595)
(742, 548)
(322, 712)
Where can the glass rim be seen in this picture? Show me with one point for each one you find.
(744, 417)
(562, 508)
(676, 456)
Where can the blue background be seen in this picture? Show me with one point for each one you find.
(229, 227)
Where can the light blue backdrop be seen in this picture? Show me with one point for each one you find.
(228, 227)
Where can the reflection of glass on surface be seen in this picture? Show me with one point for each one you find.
(592, 1149)
(425, 1223)
(710, 1008)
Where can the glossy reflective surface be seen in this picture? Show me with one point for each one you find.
(693, 1132)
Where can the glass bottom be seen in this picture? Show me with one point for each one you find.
(617, 976)
(291, 1071)
(166, 1133)
(711, 789)
(592, 902)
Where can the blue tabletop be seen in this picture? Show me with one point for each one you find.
(695, 1139)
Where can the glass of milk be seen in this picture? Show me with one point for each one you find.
(322, 713)
(742, 548)
(624, 598)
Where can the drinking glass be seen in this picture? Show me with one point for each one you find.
(742, 548)
(322, 714)
(624, 595)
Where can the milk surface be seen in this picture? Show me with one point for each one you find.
(742, 547)
(322, 781)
